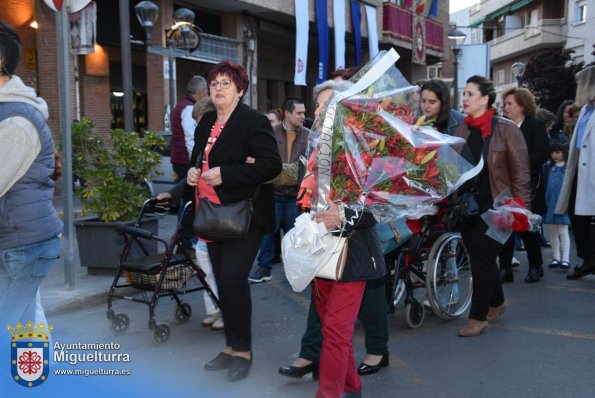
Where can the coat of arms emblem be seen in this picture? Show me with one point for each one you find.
(30, 353)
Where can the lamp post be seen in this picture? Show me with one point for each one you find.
(518, 70)
(456, 38)
(181, 38)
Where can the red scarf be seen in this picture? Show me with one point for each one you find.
(483, 123)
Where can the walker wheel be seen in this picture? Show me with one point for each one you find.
(414, 314)
(161, 333)
(120, 322)
(183, 312)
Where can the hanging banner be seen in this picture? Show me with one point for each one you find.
(419, 40)
(339, 22)
(372, 30)
(322, 22)
(302, 25)
(433, 13)
(73, 5)
(408, 4)
(356, 21)
(83, 30)
(420, 7)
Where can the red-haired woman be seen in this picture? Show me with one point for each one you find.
(227, 138)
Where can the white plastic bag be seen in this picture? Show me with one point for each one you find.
(305, 249)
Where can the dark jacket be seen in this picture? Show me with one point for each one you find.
(365, 259)
(537, 141)
(246, 133)
(179, 153)
(507, 160)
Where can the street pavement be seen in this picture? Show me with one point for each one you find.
(543, 346)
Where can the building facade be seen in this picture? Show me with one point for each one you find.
(258, 34)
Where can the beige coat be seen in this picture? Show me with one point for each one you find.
(583, 163)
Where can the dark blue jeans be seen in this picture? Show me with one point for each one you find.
(286, 210)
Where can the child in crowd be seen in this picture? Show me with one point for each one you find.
(556, 224)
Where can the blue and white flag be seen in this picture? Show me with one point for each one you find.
(339, 22)
(356, 21)
(322, 21)
(302, 25)
(372, 30)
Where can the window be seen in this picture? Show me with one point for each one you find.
(400, 3)
(435, 71)
(499, 77)
(581, 12)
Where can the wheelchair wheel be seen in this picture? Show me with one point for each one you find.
(183, 312)
(414, 314)
(120, 322)
(161, 333)
(398, 289)
(448, 277)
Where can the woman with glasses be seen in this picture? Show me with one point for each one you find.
(227, 141)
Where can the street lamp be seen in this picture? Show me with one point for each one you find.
(181, 38)
(456, 38)
(518, 70)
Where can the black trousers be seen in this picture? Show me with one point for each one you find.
(483, 251)
(582, 229)
(373, 314)
(232, 262)
(532, 241)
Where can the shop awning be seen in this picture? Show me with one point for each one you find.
(500, 12)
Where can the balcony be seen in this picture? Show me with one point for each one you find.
(397, 25)
(545, 33)
(214, 49)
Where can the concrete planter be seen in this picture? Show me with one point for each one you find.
(99, 244)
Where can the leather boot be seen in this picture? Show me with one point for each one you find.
(473, 328)
(587, 268)
(494, 312)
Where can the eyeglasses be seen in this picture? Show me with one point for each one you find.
(223, 83)
(10, 75)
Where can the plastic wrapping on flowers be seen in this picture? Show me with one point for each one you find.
(380, 158)
(509, 214)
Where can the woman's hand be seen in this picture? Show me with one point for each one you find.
(213, 176)
(193, 176)
(331, 217)
(163, 198)
(250, 160)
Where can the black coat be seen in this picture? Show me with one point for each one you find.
(537, 140)
(246, 133)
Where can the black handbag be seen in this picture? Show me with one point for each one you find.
(217, 222)
(462, 212)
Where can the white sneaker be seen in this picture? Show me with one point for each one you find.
(218, 324)
(515, 262)
(211, 319)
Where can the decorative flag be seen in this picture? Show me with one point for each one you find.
(419, 40)
(408, 4)
(339, 22)
(322, 23)
(83, 30)
(73, 5)
(302, 25)
(420, 8)
(433, 9)
(356, 21)
(372, 30)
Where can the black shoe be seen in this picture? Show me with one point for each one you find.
(506, 275)
(534, 275)
(221, 361)
(586, 269)
(365, 369)
(239, 368)
(299, 371)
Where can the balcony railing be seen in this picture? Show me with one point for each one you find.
(214, 49)
(546, 32)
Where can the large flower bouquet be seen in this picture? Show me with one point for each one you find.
(381, 156)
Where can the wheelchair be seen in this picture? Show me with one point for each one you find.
(165, 274)
(434, 260)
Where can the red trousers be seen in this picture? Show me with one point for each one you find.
(337, 304)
